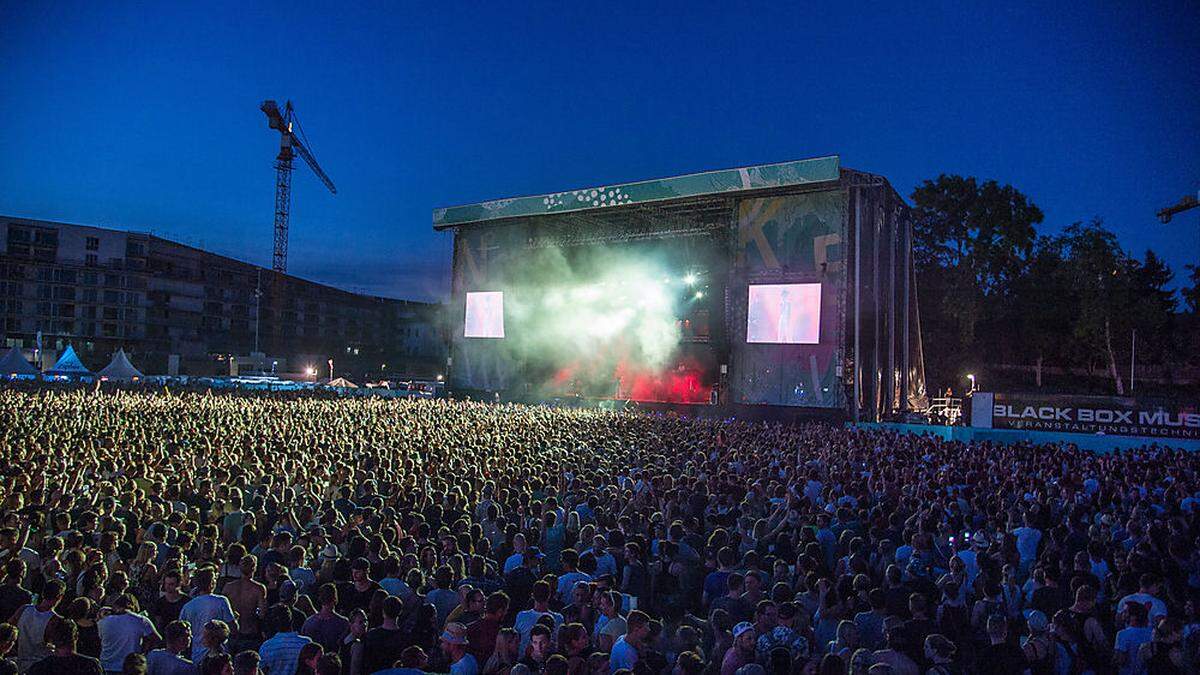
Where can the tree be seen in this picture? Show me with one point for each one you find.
(971, 242)
(1191, 294)
(1042, 306)
(1117, 294)
(986, 230)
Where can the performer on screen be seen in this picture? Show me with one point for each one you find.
(785, 317)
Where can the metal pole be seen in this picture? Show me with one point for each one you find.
(858, 370)
(1132, 356)
(257, 312)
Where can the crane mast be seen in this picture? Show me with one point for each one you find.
(289, 146)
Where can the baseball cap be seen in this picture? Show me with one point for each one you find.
(1036, 621)
(742, 628)
(455, 634)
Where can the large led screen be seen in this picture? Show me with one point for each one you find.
(784, 314)
(485, 315)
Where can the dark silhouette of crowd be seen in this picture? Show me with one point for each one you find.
(184, 532)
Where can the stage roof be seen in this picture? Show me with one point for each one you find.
(784, 174)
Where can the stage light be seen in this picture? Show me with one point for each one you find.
(699, 294)
(690, 280)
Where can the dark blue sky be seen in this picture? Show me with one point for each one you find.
(145, 115)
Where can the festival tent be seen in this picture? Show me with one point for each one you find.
(69, 366)
(15, 367)
(343, 383)
(120, 369)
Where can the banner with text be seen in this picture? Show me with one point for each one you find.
(1085, 415)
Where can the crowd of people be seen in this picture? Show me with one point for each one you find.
(190, 532)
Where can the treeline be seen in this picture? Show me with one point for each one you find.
(994, 291)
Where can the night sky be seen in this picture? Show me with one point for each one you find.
(144, 116)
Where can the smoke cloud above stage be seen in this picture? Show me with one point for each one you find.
(603, 322)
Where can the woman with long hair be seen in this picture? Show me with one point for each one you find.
(504, 656)
(310, 653)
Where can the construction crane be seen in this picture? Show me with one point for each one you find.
(1188, 202)
(290, 145)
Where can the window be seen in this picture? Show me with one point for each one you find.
(90, 260)
(89, 295)
(93, 243)
(18, 235)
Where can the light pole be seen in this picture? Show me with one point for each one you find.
(971, 377)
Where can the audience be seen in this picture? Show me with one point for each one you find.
(359, 536)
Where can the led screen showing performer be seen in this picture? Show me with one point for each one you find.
(485, 315)
(784, 314)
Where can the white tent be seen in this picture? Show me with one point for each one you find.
(69, 366)
(120, 368)
(15, 367)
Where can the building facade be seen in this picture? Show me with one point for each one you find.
(100, 289)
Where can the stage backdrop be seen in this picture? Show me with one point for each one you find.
(481, 258)
(785, 240)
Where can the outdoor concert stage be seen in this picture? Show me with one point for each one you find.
(783, 286)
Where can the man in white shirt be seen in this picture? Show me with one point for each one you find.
(605, 562)
(514, 561)
(1028, 538)
(1130, 640)
(205, 607)
(541, 607)
(1147, 596)
(570, 576)
(123, 632)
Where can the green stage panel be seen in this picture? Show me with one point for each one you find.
(801, 172)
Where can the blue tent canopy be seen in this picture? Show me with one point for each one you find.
(69, 365)
(14, 366)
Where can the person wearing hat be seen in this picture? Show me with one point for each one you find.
(970, 556)
(741, 652)
(1038, 645)
(454, 645)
